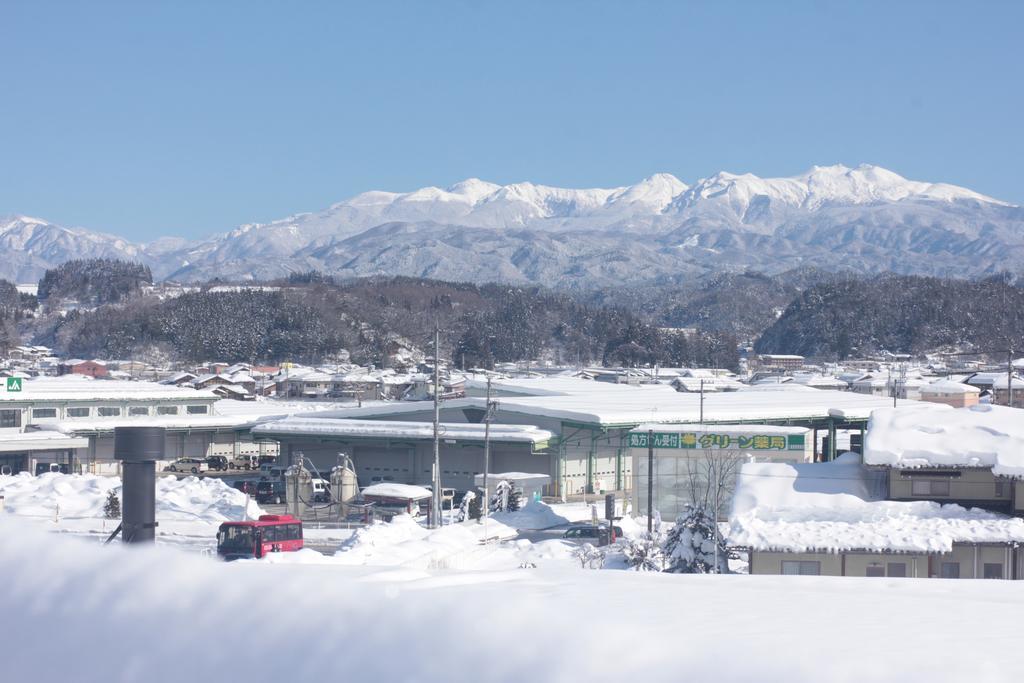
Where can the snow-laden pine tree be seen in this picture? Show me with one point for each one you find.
(502, 495)
(515, 499)
(466, 507)
(112, 507)
(690, 545)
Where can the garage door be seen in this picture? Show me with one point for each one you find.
(459, 469)
(374, 465)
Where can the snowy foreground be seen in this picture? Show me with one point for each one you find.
(160, 614)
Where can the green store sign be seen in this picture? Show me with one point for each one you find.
(719, 440)
(14, 384)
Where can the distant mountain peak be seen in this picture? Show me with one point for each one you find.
(864, 217)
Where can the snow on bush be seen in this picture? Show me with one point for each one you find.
(589, 556)
(644, 552)
(85, 496)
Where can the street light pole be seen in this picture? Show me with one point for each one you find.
(487, 456)
(650, 480)
(1009, 378)
(702, 401)
(436, 499)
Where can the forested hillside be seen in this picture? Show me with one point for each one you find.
(94, 281)
(743, 304)
(899, 314)
(311, 318)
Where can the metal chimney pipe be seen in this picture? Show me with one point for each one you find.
(138, 448)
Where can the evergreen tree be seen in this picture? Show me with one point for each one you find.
(690, 545)
(466, 507)
(112, 508)
(475, 509)
(515, 499)
(501, 497)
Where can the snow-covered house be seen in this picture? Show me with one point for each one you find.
(833, 519)
(210, 381)
(972, 456)
(89, 368)
(950, 393)
(817, 381)
(996, 386)
(178, 379)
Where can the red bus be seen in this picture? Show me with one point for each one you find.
(268, 534)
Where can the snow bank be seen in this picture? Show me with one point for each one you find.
(977, 436)
(187, 618)
(835, 507)
(533, 515)
(84, 495)
(391, 490)
(403, 541)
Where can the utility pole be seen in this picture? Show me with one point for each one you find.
(487, 456)
(714, 517)
(650, 481)
(702, 401)
(1009, 377)
(435, 517)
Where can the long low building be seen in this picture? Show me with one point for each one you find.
(68, 422)
(591, 421)
(402, 452)
(27, 451)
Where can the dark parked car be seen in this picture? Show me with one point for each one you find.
(245, 486)
(595, 535)
(218, 463)
(270, 491)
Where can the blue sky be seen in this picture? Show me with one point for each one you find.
(188, 118)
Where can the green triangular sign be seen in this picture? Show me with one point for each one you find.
(13, 384)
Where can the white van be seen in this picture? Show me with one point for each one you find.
(321, 491)
(244, 462)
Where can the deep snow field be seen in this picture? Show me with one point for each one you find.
(397, 602)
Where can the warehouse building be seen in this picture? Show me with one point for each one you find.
(403, 452)
(68, 422)
(590, 422)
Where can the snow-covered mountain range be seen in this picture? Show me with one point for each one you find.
(834, 217)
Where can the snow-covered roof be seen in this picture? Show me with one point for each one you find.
(820, 381)
(391, 490)
(976, 436)
(610, 404)
(836, 506)
(996, 380)
(320, 426)
(945, 386)
(79, 388)
(171, 422)
(546, 386)
(14, 440)
(234, 389)
(177, 377)
(532, 478)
